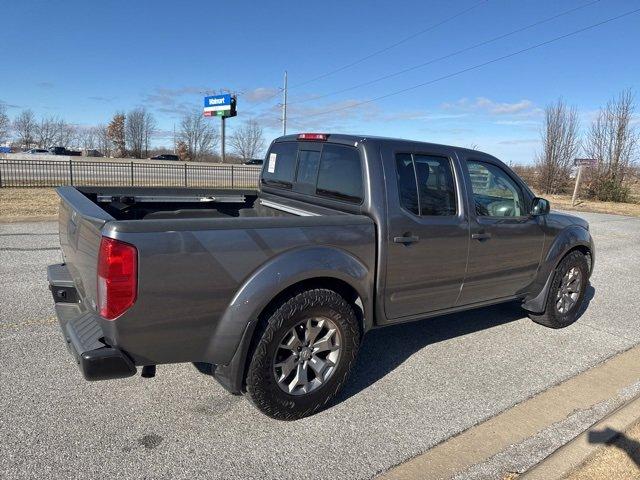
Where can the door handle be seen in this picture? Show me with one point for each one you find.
(407, 239)
(481, 236)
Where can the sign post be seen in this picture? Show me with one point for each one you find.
(222, 106)
(222, 134)
(580, 162)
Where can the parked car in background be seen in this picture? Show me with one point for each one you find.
(5, 149)
(64, 151)
(254, 161)
(272, 292)
(166, 156)
(93, 153)
(37, 151)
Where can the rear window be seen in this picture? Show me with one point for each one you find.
(307, 167)
(340, 174)
(281, 164)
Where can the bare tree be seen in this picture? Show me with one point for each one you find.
(47, 132)
(248, 141)
(614, 142)
(560, 145)
(5, 124)
(182, 150)
(103, 142)
(198, 134)
(115, 133)
(25, 127)
(67, 135)
(139, 127)
(150, 127)
(88, 138)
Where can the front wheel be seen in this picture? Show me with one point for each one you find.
(304, 354)
(566, 292)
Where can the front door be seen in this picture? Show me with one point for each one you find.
(506, 242)
(428, 234)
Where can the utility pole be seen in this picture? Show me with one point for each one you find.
(174, 138)
(284, 105)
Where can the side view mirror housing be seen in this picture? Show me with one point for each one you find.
(540, 206)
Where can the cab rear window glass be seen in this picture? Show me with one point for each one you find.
(340, 174)
(280, 165)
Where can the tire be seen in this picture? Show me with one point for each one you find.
(553, 315)
(289, 324)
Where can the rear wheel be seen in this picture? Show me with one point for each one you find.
(566, 292)
(304, 354)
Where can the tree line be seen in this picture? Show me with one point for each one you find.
(612, 140)
(131, 134)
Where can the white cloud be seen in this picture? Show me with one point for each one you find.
(491, 107)
(520, 141)
(259, 94)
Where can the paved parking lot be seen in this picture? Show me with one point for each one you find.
(415, 385)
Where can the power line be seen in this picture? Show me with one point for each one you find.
(444, 57)
(377, 52)
(393, 45)
(474, 67)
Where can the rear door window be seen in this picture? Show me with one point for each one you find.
(281, 165)
(340, 174)
(426, 184)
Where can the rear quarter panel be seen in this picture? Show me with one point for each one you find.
(189, 277)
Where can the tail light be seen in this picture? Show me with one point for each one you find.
(313, 136)
(117, 277)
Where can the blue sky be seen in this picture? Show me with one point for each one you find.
(85, 60)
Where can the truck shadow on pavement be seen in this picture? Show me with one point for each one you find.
(609, 436)
(385, 349)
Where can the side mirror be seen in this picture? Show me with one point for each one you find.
(540, 206)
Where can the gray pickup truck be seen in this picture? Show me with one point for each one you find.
(271, 292)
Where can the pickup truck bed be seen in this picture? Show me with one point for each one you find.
(196, 249)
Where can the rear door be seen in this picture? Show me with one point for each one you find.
(428, 233)
(506, 241)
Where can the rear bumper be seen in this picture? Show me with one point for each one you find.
(82, 332)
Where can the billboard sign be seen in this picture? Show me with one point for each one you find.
(217, 103)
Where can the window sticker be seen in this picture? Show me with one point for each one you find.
(271, 168)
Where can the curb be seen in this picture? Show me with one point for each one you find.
(524, 420)
(575, 453)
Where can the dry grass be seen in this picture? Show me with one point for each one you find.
(563, 202)
(17, 204)
(617, 460)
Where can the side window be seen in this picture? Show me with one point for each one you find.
(426, 185)
(340, 173)
(280, 165)
(495, 193)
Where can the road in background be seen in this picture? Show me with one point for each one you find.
(414, 385)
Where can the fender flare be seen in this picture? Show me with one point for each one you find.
(239, 320)
(569, 238)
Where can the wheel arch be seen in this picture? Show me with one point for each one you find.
(571, 239)
(294, 271)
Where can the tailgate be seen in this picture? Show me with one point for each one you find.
(80, 223)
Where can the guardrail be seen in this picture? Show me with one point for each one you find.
(53, 173)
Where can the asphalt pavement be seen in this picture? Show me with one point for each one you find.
(414, 386)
